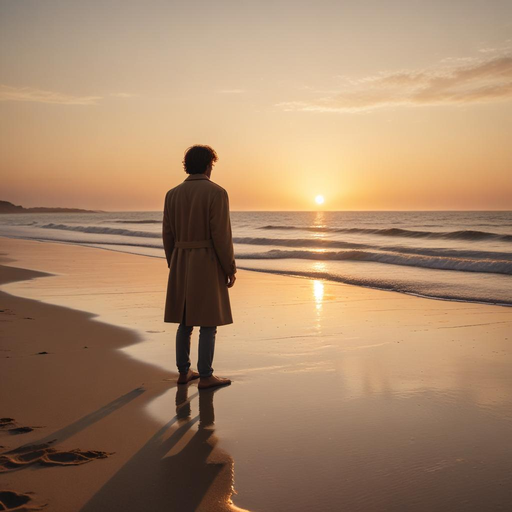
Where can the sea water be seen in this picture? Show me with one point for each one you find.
(465, 256)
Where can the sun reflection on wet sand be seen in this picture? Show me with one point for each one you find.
(318, 292)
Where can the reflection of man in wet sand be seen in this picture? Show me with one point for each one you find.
(199, 249)
(206, 471)
(179, 468)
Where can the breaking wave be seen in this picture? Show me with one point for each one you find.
(102, 231)
(470, 235)
(338, 244)
(459, 264)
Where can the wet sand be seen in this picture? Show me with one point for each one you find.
(73, 420)
(343, 398)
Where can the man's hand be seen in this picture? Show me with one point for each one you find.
(230, 280)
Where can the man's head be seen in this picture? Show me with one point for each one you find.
(199, 159)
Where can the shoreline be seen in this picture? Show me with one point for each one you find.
(337, 390)
(349, 283)
(295, 274)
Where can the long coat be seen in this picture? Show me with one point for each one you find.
(199, 249)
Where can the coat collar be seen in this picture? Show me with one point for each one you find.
(193, 177)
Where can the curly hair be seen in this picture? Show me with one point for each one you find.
(198, 158)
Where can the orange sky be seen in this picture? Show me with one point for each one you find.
(376, 105)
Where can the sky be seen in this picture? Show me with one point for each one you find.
(396, 105)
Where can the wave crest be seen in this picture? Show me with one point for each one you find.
(459, 264)
(102, 231)
(470, 235)
(338, 244)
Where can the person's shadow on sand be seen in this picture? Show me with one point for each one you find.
(186, 481)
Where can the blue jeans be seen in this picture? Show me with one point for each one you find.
(206, 348)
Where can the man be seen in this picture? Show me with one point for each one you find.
(199, 249)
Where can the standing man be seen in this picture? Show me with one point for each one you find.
(199, 250)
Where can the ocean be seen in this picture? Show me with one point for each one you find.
(461, 256)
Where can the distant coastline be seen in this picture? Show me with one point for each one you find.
(6, 207)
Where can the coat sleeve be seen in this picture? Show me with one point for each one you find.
(167, 235)
(220, 228)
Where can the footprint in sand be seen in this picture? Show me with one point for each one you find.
(44, 455)
(7, 423)
(12, 500)
(10, 425)
(21, 430)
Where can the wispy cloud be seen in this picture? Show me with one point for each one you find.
(454, 82)
(8, 93)
(502, 49)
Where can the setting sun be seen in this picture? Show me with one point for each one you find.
(319, 199)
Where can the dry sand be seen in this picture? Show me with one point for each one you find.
(343, 398)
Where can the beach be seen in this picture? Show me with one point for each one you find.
(323, 188)
(343, 397)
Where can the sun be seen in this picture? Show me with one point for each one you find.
(319, 199)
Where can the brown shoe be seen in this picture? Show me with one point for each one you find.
(212, 382)
(185, 378)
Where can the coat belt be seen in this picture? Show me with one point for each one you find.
(199, 244)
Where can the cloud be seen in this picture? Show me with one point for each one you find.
(504, 48)
(8, 93)
(476, 81)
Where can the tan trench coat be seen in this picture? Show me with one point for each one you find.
(199, 249)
